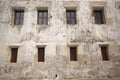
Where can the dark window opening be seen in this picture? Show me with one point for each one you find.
(56, 75)
(40, 54)
(71, 16)
(14, 52)
(42, 17)
(99, 16)
(104, 51)
(73, 53)
(118, 7)
(19, 17)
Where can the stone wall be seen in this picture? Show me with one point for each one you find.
(57, 37)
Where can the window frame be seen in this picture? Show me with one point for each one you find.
(20, 18)
(43, 13)
(75, 16)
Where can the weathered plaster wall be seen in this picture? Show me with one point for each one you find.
(56, 36)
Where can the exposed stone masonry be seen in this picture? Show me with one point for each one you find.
(57, 37)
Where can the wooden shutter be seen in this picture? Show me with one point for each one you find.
(40, 54)
(73, 54)
(104, 51)
(14, 55)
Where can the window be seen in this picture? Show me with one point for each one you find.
(73, 54)
(104, 51)
(14, 52)
(118, 7)
(71, 16)
(19, 17)
(40, 54)
(99, 16)
(43, 17)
